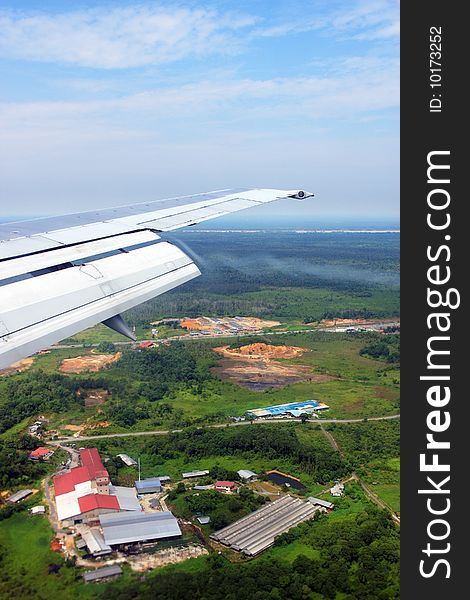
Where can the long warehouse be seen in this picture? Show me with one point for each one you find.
(256, 532)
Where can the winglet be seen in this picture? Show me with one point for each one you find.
(301, 195)
(117, 324)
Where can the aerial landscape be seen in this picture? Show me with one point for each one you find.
(242, 391)
(196, 404)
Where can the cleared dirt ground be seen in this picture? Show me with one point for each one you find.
(255, 366)
(17, 367)
(260, 351)
(89, 362)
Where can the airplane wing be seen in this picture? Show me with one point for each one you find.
(60, 275)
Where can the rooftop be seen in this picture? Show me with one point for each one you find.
(91, 459)
(195, 473)
(17, 496)
(125, 528)
(246, 474)
(148, 483)
(40, 452)
(94, 501)
(257, 531)
(320, 502)
(98, 574)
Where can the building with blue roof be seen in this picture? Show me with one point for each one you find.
(148, 486)
(291, 409)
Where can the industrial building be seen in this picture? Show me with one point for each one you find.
(127, 528)
(292, 409)
(148, 486)
(257, 531)
(85, 492)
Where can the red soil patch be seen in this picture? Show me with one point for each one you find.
(89, 362)
(260, 350)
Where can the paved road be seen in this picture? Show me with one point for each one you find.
(69, 440)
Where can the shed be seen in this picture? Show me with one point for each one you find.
(204, 520)
(104, 573)
(247, 475)
(21, 495)
(127, 460)
(38, 510)
(148, 486)
(320, 502)
(195, 474)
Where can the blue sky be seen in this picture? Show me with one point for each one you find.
(110, 102)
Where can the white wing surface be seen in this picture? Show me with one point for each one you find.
(60, 275)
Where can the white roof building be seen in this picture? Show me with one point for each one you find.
(247, 475)
(38, 510)
(127, 460)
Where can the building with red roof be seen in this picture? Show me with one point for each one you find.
(41, 453)
(85, 492)
(144, 345)
(225, 486)
(91, 459)
(95, 501)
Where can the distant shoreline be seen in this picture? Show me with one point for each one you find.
(298, 231)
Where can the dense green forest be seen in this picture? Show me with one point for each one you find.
(340, 275)
(383, 347)
(15, 466)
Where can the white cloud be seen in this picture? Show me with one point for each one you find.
(352, 87)
(364, 20)
(110, 38)
(147, 34)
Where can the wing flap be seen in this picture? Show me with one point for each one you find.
(43, 310)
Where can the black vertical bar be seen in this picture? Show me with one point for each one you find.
(433, 119)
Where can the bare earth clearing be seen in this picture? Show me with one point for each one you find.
(17, 367)
(89, 362)
(255, 366)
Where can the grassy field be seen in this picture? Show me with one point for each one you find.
(373, 449)
(155, 465)
(25, 542)
(361, 387)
